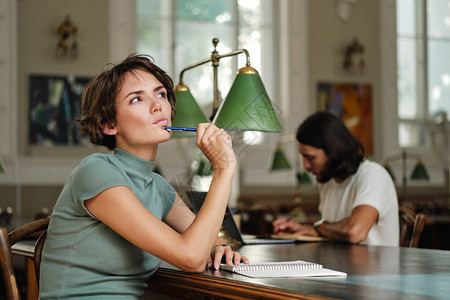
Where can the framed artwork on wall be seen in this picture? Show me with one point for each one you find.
(352, 102)
(54, 106)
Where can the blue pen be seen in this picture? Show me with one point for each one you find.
(180, 128)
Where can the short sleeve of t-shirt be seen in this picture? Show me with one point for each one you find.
(93, 176)
(372, 186)
(97, 173)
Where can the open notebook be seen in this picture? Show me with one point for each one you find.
(296, 268)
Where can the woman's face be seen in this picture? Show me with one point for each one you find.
(142, 109)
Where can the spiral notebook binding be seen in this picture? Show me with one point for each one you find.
(276, 266)
(297, 268)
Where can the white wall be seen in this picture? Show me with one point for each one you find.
(8, 73)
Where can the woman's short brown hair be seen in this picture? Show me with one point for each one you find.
(99, 96)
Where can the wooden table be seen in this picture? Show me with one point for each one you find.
(374, 272)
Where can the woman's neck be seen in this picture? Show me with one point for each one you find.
(146, 153)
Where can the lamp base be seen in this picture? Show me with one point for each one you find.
(297, 214)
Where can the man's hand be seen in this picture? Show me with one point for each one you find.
(287, 226)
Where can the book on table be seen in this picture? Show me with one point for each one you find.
(296, 268)
(301, 238)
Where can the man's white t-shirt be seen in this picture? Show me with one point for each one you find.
(370, 185)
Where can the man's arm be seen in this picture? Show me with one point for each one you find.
(353, 229)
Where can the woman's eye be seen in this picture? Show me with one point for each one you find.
(161, 95)
(134, 100)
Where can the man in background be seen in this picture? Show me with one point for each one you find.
(358, 200)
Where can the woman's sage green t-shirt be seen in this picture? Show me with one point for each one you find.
(84, 258)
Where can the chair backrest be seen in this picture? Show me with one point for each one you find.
(36, 229)
(411, 227)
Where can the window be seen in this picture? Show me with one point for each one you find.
(423, 47)
(178, 33)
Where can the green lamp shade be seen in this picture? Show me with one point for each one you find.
(390, 171)
(419, 172)
(303, 177)
(279, 162)
(247, 107)
(189, 114)
(2, 169)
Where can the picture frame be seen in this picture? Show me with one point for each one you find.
(54, 107)
(352, 103)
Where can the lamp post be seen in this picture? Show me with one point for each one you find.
(214, 59)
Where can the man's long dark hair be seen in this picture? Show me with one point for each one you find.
(323, 130)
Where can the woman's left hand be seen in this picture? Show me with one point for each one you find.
(231, 257)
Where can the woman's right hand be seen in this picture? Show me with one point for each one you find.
(216, 144)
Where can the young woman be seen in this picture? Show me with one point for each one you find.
(115, 220)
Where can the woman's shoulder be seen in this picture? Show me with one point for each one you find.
(94, 163)
(96, 157)
(96, 171)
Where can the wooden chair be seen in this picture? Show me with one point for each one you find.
(37, 229)
(411, 227)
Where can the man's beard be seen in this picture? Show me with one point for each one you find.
(326, 174)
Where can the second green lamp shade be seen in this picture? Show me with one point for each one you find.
(419, 172)
(303, 177)
(279, 162)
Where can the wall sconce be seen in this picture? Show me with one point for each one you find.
(247, 106)
(354, 56)
(344, 9)
(419, 172)
(279, 161)
(68, 40)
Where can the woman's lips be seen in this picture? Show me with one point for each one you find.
(162, 122)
